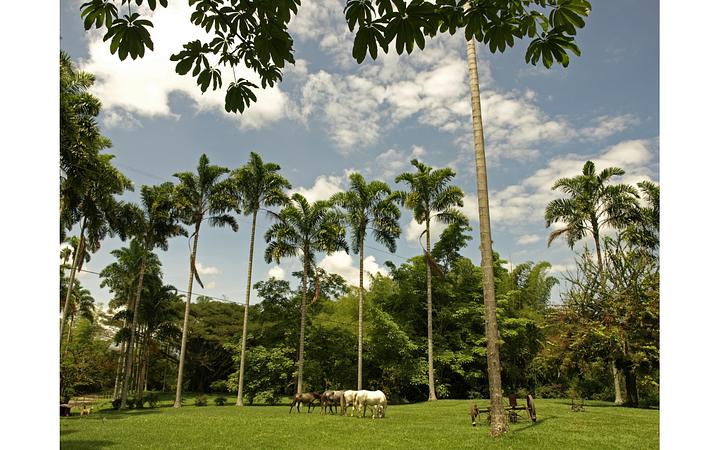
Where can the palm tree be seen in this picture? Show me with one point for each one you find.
(153, 225)
(198, 197)
(431, 196)
(592, 204)
(533, 283)
(121, 277)
(98, 211)
(644, 229)
(82, 304)
(302, 230)
(498, 422)
(258, 185)
(368, 206)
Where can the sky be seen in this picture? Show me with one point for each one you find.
(330, 117)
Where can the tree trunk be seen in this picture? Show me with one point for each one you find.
(248, 289)
(183, 344)
(131, 344)
(361, 296)
(67, 343)
(617, 383)
(431, 369)
(76, 260)
(631, 386)
(301, 352)
(118, 369)
(498, 422)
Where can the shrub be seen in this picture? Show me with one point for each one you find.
(201, 400)
(152, 400)
(130, 403)
(219, 386)
(220, 401)
(116, 403)
(550, 391)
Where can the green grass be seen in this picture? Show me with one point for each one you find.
(443, 425)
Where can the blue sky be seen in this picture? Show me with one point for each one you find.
(331, 116)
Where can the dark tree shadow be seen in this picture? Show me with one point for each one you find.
(86, 444)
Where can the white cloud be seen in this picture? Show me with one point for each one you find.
(142, 87)
(325, 186)
(341, 263)
(209, 270)
(528, 239)
(393, 162)
(276, 272)
(524, 203)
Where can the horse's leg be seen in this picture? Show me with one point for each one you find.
(291, 406)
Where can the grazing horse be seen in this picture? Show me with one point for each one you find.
(328, 399)
(348, 398)
(306, 398)
(376, 399)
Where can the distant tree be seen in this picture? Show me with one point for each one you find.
(200, 196)
(83, 305)
(303, 229)
(258, 185)
(368, 207)
(431, 196)
(533, 284)
(644, 227)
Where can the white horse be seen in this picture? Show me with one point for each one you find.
(347, 399)
(376, 399)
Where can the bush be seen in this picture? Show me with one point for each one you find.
(550, 391)
(219, 385)
(201, 400)
(152, 400)
(220, 401)
(130, 403)
(116, 403)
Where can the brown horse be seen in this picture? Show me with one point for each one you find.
(306, 398)
(330, 399)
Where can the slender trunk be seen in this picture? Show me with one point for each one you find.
(361, 297)
(76, 260)
(248, 288)
(133, 326)
(118, 368)
(631, 386)
(142, 379)
(183, 344)
(498, 422)
(616, 372)
(301, 355)
(431, 369)
(67, 343)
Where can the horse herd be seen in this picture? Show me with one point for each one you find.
(355, 400)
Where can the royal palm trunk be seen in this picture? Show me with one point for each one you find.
(301, 356)
(498, 422)
(360, 318)
(241, 373)
(431, 370)
(76, 261)
(183, 344)
(133, 327)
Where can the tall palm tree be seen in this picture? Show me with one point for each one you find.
(370, 206)
(82, 304)
(431, 196)
(592, 204)
(121, 277)
(258, 185)
(302, 230)
(644, 229)
(498, 423)
(200, 196)
(98, 212)
(152, 224)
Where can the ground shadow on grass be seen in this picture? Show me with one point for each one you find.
(95, 444)
(114, 415)
(66, 432)
(539, 422)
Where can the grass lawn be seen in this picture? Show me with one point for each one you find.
(439, 425)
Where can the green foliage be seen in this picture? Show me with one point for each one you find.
(268, 372)
(201, 400)
(220, 401)
(255, 34)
